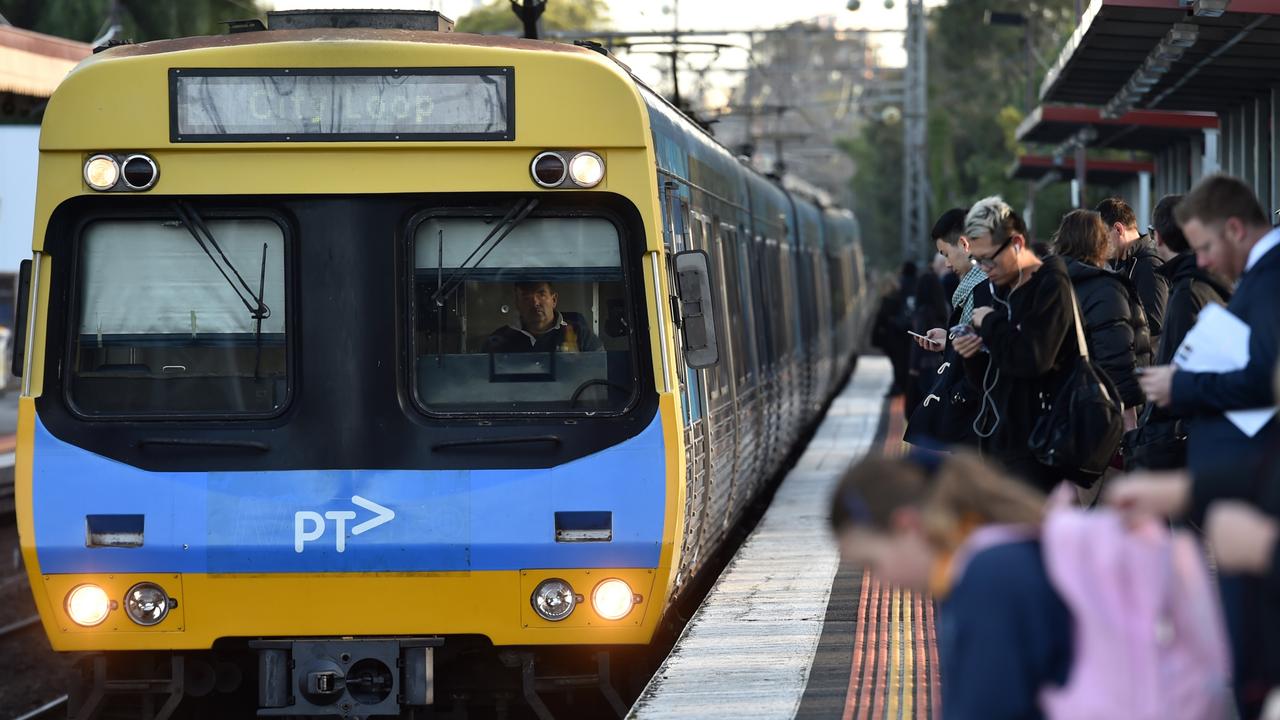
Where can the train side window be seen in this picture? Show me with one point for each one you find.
(531, 317)
(170, 326)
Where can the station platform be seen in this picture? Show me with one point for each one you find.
(788, 631)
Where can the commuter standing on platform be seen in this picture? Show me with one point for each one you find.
(1230, 233)
(1023, 342)
(949, 418)
(1226, 226)
(1191, 287)
(1110, 327)
(1134, 256)
(1004, 633)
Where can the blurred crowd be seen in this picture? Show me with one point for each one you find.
(1090, 494)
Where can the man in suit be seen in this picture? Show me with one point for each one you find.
(1226, 474)
(1230, 234)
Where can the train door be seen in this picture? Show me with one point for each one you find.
(692, 397)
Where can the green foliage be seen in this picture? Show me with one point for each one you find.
(496, 17)
(142, 19)
(977, 97)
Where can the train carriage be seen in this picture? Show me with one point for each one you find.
(355, 359)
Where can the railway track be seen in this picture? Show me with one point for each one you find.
(54, 708)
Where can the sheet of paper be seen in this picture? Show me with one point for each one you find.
(1219, 343)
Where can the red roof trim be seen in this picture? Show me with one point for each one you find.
(1084, 115)
(1069, 163)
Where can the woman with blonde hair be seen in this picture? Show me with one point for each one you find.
(919, 522)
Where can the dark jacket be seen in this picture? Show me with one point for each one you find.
(1030, 343)
(1190, 289)
(1203, 397)
(1003, 635)
(1109, 326)
(1141, 265)
(570, 334)
(1252, 604)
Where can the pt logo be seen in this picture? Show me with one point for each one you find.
(302, 534)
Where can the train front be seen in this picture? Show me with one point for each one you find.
(344, 370)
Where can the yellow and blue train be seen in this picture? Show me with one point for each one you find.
(358, 355)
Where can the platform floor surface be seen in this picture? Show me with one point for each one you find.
(788, 631)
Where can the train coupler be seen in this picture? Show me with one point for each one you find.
(349, 678)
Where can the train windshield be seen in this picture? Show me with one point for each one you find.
(521, 314)
(172, 324)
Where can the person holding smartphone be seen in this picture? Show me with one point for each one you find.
(953, 423)
(1028, 332)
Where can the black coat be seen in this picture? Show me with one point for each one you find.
(1190, 289)
(1212, 440)
(1030, 343)
(1141, 266)
(1110, 327)
(1252, 603)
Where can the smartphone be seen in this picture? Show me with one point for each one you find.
(961, 331)
(926, 338)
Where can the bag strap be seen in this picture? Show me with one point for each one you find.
(1075, 311)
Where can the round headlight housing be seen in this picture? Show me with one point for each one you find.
(88, 605)
(549, 169)
(586, 169)
(140, 172)
(553, 599)
(613, 599)
(101, 172)
(147, 604)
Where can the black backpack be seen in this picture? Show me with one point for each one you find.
(1080, 432)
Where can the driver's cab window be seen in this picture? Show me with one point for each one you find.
(518, 315)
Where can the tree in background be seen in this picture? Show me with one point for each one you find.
(141, 20)
(496, 17)
(976, 91)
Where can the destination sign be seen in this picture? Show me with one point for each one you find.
(242, 105)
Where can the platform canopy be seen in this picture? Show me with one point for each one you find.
(1144, 130)
(1102, 172)
(32, 64)
(1168, 55)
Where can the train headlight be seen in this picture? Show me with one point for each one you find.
(88, 605)
(554, 599)
(613, 599)
(549, 169)
(586, 169)
(101, 172)
(147, 604)
(140, 172)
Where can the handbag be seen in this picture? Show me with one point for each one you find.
(1082, 428)
(946, 414)
(1158, 443)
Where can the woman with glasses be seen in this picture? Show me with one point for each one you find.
(1021, 344)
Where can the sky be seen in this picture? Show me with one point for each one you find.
(641, 15)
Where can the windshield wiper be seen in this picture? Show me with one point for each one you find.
(490, 442)
(516, 215)
(258, 310)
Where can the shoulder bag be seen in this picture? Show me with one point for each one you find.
(1079, 433)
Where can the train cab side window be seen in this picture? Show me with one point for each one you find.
(534, 319)
(166, 328)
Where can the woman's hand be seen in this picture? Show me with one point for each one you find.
(937, 340)
(967, 345)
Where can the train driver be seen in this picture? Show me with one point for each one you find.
(542, 327)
